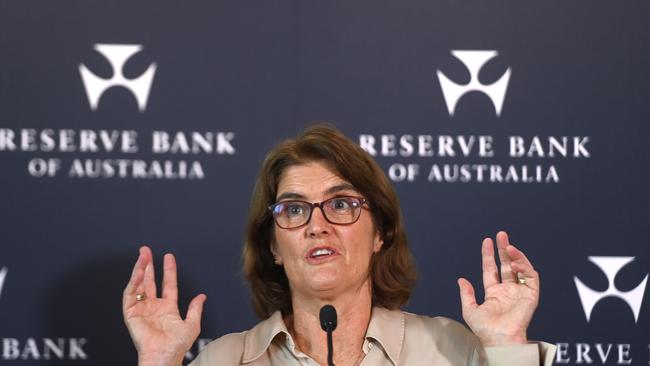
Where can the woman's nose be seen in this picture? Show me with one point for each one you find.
(318, 225)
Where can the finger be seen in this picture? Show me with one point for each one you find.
(517, 255)
(170, 283)
(138, 266)
(507, 275)
(135, 280)
(490, 271)
(149, 273)
(132, 289)
(467, 296)
(195, 309)
(522, 265)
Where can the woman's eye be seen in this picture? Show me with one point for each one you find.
(341, 204)
(294, 210)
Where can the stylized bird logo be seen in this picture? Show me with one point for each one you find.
(3, 275)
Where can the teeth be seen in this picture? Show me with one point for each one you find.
(320, 252)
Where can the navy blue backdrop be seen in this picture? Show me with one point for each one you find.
(129, 123)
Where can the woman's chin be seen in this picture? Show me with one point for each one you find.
(325, 282)
(328, 281)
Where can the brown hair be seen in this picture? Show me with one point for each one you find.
(391, 269)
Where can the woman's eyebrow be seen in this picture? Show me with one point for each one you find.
(290, 195)
(340, 187)
(331, 190)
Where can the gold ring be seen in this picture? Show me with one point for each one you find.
(140, 297)
(521, 279)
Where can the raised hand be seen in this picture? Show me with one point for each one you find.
(159, 334)
(503, 317)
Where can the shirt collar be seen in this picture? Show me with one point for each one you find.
(386, 328)
(258, 339)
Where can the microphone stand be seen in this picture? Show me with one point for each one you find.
(327, 318)
(330, 348)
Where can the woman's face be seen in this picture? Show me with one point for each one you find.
(349, 247)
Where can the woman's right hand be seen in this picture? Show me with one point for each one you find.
(159, 334)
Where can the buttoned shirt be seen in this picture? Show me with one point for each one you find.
(393, 338)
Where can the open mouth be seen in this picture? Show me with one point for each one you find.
(320, 252)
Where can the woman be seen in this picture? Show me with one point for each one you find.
(325, 228)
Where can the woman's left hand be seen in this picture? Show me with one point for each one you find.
(502, 319)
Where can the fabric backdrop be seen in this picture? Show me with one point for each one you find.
(125, 123)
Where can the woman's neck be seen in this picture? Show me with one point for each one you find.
(353, 313)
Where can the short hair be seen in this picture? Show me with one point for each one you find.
(392, 272)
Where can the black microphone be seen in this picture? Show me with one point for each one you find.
(328, 323)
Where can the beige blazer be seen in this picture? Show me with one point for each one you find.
(394, 338)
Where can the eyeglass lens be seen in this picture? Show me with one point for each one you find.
(337, 210)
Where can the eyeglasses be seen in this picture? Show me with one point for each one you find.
(343, 210)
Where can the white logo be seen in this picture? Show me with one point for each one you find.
(610, 266)
(3, 275)
(117, 55)
(474, 61)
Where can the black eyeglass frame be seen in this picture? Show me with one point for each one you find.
(363, 203)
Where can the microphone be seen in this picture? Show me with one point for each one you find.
(328, 323)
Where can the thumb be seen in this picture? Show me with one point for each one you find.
(467, 296)
(195, 309)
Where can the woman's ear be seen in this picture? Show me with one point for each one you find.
(378, 242)
(277, 258)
